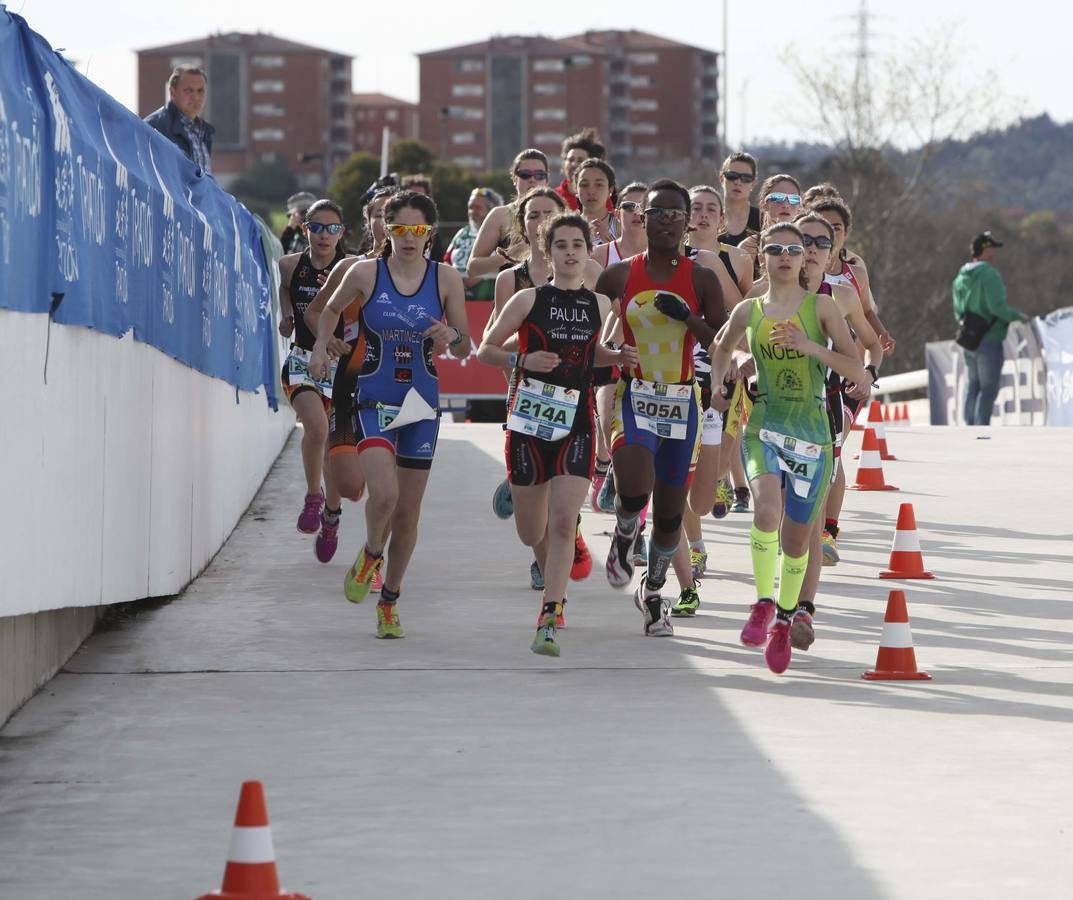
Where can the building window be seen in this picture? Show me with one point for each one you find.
(644, 105)
(267, 62)
(643, 59)
(646, 151)
(644, 127)
(582, 59)
(470, 162)
(640, 81)
(469, 65)
(549, 87)
(548, 65)
(268, 86)
(467, 90)
(548, 137)
(268, 109)
(392, 115)
(543, 115)
(193, 62)
(464, 137)
(268, 134)
(465, 112)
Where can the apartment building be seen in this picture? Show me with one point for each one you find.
(650, 97)
(375, 112)
(268, 98)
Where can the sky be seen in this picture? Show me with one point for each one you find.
(1026, 44)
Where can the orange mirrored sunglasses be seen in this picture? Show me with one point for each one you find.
(416, 230)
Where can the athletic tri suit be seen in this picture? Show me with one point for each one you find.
(397, 360)
(752, 226)
(847, 407)
(306, 280)
(614, 255)
(657, 403)
(846, 276)
(788, 433)
(341, 437)
(550, 427)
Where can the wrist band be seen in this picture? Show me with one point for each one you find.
(513, 360)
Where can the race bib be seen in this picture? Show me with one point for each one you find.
(298, 372)
(385, 415)
(799, 459)
(662, 409)
(544, 410)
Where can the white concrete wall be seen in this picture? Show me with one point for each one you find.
(123, 475)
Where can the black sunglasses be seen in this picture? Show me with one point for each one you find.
(318, 227)
(824, 243)
(531, 174)
(743, 177)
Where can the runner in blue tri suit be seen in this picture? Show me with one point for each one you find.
(404, 299)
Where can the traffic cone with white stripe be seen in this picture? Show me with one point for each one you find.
(870, 471)
(875, 422)
(906, 560)
(873, 411)
(250, 873)
(896, 660)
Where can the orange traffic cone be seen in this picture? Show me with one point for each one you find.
(874, 415)
(905, 412)
(906, 560)
(896, 660)
(250, 873)
(870, 471)
(886, 412)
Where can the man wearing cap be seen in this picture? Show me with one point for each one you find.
(293, 239)
(979, 290)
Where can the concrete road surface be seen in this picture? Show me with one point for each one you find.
(456, 764)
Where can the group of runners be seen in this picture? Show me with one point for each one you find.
(669, 353)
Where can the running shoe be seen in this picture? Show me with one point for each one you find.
(754, 634)
(545, 643)
(724, 497)
(309, 520)
(605, 500)
(536, 577)
(640, 549)
(620, 560)
(327, 539)
(502, 501)
(686, 604)
(741, 500)
(654, 612)
(830, 549)
(360, 576)
(778, 652)
(582, 567)
(378, 582)
(801, 632)
(560, 616)
(594, 494)
(387, 621)
(698, 561)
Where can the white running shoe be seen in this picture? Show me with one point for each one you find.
(654, 627)
(620, 561)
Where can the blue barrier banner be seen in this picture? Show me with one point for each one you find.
(136, 236)
(1055, 334)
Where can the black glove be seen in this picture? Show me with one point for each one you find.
(672, 307)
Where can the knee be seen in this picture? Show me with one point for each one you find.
(562, 527)
(316, 429)
(632, 504)
(668, 524)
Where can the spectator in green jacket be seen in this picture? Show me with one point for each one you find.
(978, 288)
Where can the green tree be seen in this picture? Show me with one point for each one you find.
(350, 180)
(265, 187)
(410, 157)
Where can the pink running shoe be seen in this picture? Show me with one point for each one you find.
(327, 540)
(309, 520)
(778, 652)
(754, 634)
(594, 494)
(378, 583)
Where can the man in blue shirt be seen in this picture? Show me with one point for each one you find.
(180, 120)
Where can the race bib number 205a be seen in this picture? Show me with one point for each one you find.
(662, 409)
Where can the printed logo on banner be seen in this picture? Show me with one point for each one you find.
(63, 183)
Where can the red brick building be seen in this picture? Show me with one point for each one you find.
(651, 98)
(374, 112)
(268, 98)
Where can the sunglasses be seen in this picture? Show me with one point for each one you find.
(780, 249)
(743, 177)
(531, 174)
(666, 213)
(318, 227)
(824, 243)
(629, 205)
(396, 230)
(792, 199)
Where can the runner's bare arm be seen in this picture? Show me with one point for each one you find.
(286, 308)
(722, 349)
(612, 280)
(483, 259)
(455, 333)
(492, 351)
(335, 278)
(605, 356)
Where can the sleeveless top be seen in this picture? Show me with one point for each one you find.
(664, 345)
(613, 253)
(397, 356)
(724, 256)
(846, 276)
(791, 390)
(304, 285)
(567, 323)
(752, 226)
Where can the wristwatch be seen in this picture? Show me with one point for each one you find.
(457, 339)
(512, 360)
(874, 372)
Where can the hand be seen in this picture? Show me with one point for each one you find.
(887, 343)
(787, 334)
(720, 401)
(600, 230)
(319, 367)
(540, 361)
(672, 306)
(286, 326)
(440, 332)
(337, 347)
(733, 370)
(859, 391)
(747, 368)
(751, 245)
(322, 277)
(628, 357)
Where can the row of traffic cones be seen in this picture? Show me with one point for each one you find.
(883, 412)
